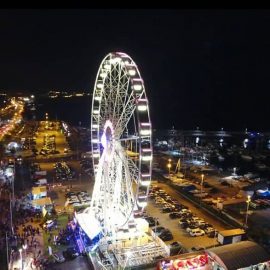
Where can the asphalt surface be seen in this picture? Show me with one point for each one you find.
(172, 224)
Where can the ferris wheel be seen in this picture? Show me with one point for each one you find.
(121, 142)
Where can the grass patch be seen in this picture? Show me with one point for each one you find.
(62, 221)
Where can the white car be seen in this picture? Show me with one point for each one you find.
(189, 229)
(48, 224)
(197, 219)
(73, 197)
(209, 230)
(76, 204)
(58, 257)
(197, 232)
(159, 200)
(182, 211)
(200, 222)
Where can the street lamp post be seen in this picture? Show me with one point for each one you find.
(202, 186)
(248, 202)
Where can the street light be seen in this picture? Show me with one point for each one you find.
(46, 121)
(202, 185)
(169, 166)
(248, 202)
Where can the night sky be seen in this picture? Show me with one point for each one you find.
(201, 68)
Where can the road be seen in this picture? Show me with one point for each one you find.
(60, 138)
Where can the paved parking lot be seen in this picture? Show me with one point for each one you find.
(172, 224)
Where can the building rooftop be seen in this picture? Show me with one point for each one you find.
(38, 190)
(232, 232)
(240, 255)
(42, 201)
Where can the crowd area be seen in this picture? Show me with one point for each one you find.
(4, 212)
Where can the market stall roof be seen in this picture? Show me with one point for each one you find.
(241, 254)
(38, 190)
(42, 201)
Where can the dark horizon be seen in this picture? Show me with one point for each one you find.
(203, 68)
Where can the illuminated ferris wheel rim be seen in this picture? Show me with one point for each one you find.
(136, 103)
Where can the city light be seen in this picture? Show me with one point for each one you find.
(248, 202)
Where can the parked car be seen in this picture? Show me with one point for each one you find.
(58, 257)
(209, 230)
(197, 232)
(191, 228)
(166, 235)
(197, 248)
(167, 209)
(152, 222)
(212, 234)
(174, 215)
(175, 248)
(49, 224)
(184, 225)
(71, 253)
(159, 230)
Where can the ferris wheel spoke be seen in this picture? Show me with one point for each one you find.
(134, 170)
(122, 86)
(126, 114)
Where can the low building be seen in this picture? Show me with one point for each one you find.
(242, 255)
(231, 236)
(39, 192)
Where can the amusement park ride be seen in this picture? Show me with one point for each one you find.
(122, 162)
